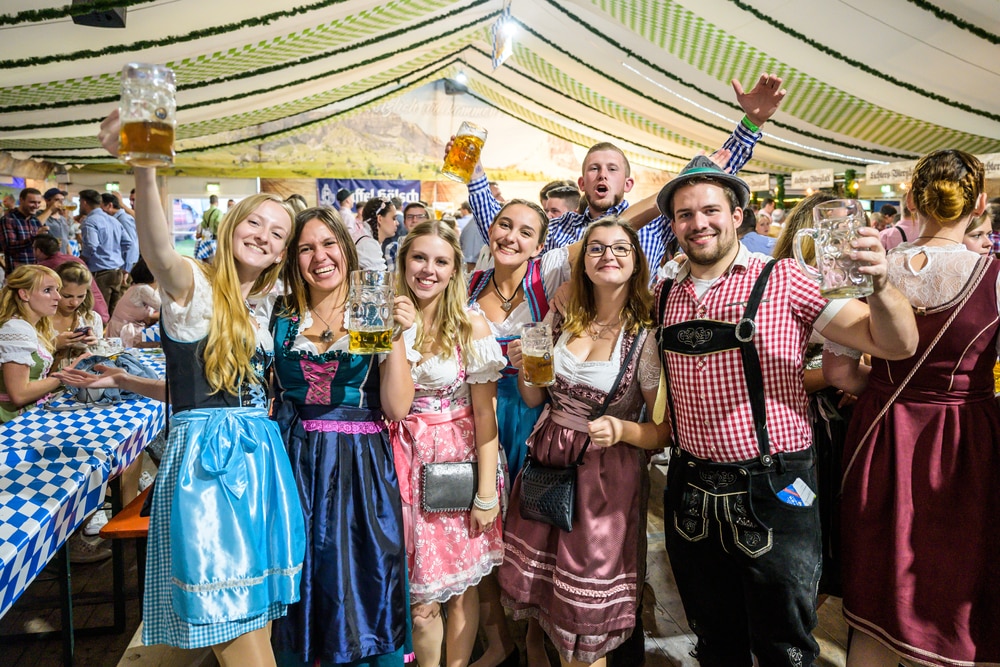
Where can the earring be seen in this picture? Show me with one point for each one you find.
(277, 260)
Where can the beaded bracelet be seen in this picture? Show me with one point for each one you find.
(485, 506)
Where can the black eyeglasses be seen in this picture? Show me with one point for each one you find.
(595, 249)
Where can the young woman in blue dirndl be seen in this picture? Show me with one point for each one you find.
(226, 535)
(332, 410)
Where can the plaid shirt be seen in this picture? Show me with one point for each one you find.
(709, 392)
(18, 233)
(568, 229)
(995, 239)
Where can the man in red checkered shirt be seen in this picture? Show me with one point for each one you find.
(742, 520)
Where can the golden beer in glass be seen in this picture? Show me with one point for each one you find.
(369, 312)
(461, 160)
(147, 109)
(537, 369)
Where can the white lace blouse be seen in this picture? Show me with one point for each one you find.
(602, 374)
(190, 323)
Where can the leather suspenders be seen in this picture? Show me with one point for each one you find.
(700, 337)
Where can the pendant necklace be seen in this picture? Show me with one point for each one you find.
(327, 335)
(603, 329)
(506, 305)
(942, 238)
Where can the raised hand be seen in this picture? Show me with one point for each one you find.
(762, 101)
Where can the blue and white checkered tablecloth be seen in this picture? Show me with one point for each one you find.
(54, 470)
(41, 504)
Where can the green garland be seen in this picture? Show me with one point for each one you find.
(867, 69)
(957, 21)
(167, 41)
(678, 80)
(38, 15)
(281, 66)
(259, 91)
(498, 84)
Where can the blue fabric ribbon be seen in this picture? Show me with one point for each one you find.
(225, 454)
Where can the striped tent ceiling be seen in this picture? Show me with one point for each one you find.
(868, 81)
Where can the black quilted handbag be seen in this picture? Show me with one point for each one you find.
(548, 493)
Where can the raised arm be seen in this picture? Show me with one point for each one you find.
(174, 274)
(481, 200)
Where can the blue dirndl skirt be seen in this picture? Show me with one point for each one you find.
(515, 425)
(355, 606)
(226, 532)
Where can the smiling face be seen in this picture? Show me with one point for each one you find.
(259, 239)
(43, 299)
(515, 236)
(601, 264)
(30, 204)
(605, 180)
(71, 296)
(430, 265)
(978, 239)
(705, 224)
(320, 258)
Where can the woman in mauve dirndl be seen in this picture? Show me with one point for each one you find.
(920, 487)
(583, 586)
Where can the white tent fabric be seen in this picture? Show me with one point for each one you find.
(869, 82)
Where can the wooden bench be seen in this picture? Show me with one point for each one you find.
(127, 524)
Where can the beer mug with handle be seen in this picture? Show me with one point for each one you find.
(836, 224)
(536, 355)
(461, 160)
(369, 313)
(147, 111)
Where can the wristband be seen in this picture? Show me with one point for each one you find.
(750, 125)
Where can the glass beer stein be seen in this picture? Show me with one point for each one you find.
(536, 355)
(836, 224)
(369, 321)
(461, 160)
(147, 109)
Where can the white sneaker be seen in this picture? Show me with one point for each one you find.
(98, 520)
(82, 550)
(661, 459)
(145, 480)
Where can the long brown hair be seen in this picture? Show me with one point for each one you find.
(77, 273)
(582, 307)
(295, 285)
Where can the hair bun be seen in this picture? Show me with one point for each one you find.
(944, 200)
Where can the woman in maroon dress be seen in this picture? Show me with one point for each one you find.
(921, 491)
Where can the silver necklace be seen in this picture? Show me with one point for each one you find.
(327, 334)
(506, 305)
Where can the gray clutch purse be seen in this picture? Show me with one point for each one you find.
(448, 487)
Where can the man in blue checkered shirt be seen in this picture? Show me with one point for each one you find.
(606, 178)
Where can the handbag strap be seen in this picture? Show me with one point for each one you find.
(611, 394)
(970, 287)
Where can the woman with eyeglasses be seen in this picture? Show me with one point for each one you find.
(379, 216)
(583, 586)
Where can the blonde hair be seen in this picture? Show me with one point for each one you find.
(27, 277)
(454, 327)
(582, 307)
(231, 342)
(77, 274)
(295, 286)
(946, 184)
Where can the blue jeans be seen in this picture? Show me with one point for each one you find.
(747, 563)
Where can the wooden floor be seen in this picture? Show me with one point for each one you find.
(668, 639)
